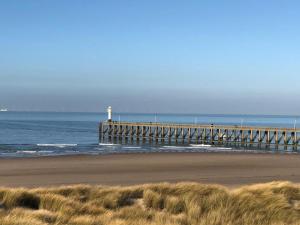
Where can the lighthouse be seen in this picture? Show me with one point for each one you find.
(109, 113)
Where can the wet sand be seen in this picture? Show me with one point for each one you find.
(230, 169)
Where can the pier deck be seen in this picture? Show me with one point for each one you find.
(198, 133)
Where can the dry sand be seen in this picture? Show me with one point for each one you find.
(230, 169)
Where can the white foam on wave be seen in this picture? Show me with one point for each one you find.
(108, 144)
(26, 152)
(222, 148)
(185, 147)
(200, 145)
(46, 151)
(170, 146)
(172, 149)
(57, 145)
(128, 147)
(195, 148)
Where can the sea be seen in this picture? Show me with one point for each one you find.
(36, 134)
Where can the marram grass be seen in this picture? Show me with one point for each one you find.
(276, 203)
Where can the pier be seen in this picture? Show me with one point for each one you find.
(198, 133)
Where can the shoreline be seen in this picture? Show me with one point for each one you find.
(229, 169)
(27, 154)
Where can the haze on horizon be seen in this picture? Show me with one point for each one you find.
(151, 56)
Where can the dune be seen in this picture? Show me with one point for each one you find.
(151, 204)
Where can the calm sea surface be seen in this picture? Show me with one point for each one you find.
(24, 134)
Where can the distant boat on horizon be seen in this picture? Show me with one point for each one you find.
(3, 110)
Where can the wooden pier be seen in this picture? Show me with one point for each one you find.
(198, 133)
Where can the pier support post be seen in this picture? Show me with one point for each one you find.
(198, 133)
(100, 132)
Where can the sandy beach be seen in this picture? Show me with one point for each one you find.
(127, 169)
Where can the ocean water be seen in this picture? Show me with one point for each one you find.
(29, 134)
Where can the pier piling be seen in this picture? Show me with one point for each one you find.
(197, 133)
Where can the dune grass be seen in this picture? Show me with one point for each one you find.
(276, 203)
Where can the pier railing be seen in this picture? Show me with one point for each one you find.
(198, 133)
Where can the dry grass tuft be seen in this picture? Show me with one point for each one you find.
(153, 200)
(275, 203)
(175, 205)
(20, 198)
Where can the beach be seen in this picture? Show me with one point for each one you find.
(229, 169)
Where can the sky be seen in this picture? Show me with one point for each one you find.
(231, 57)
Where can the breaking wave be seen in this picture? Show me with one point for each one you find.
(57, 145)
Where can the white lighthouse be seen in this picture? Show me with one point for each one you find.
(109, 113)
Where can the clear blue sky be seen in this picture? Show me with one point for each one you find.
(151, 56)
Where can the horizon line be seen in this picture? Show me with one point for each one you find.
(160, 113)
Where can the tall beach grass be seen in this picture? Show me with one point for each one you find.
(276, 203)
